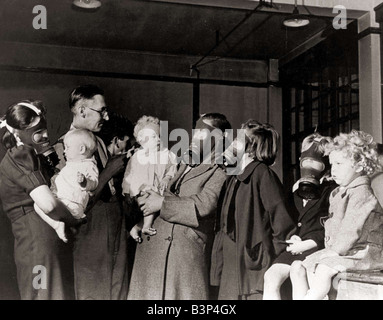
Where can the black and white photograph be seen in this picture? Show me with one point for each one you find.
(202, 152)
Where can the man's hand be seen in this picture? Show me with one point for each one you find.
(150, 203)
(114, 166)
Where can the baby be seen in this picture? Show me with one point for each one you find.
(150, 168)
(77, 179)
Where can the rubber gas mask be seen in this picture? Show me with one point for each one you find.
(313, 166)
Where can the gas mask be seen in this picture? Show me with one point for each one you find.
(37, 137)
(313, 166)
(203, 145)
(233, 155)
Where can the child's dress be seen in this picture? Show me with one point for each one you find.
(353, 232)
(146, 170)
(69, 191)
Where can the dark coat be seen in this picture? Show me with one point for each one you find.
(308, 218)
(262, 225)
(173, 264)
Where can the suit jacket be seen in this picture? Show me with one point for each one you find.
(173, 264)
(308, 219)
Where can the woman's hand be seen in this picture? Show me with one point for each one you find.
(150, 202)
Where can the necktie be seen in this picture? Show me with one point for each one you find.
(103, 159)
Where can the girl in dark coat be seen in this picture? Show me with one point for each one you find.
(310, 203)
(254, 222)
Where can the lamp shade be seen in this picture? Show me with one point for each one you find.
(296, 20)
(87, 4)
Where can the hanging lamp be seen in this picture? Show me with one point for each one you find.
(296, 20)
(87, 4)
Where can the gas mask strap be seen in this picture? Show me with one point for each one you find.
(4, 124)
(30, 106)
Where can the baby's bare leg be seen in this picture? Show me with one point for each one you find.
(58, 226)
(147, 228)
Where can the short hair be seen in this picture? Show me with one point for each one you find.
(360, 147)
(218, 120)
(20, 117)
(85, 137)
(87, 92)
(146, 121)
(117, 126)
(264, 141)
(322, 142)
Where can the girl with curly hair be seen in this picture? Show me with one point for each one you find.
(353, 229)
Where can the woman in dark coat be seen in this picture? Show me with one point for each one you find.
(254, 222)
(43, 261)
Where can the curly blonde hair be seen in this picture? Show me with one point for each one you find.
(358, 146)
(146, 121)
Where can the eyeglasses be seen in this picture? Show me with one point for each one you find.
(103, 112)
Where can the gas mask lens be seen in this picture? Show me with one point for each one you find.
(312, 164)
(40, 136)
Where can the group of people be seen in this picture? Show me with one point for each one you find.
(196, 231)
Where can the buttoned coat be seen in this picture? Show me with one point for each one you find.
(262, 226)
(173, 264)
(308, 218)
(354, 230)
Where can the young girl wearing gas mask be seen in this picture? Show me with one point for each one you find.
(24, 180)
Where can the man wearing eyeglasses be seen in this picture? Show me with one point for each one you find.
(100, 266)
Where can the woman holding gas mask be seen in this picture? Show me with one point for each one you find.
(43, 261)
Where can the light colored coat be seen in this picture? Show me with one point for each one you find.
(354, 230)
(173, 263)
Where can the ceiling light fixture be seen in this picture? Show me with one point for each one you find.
(296, 20)
(87, 4)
